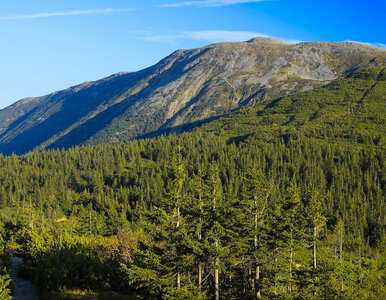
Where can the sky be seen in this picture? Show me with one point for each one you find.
(49, 45)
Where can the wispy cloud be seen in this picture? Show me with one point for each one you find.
(209, 3)
(380, 45)
(222, 35)
(204, 35)
(66, 13)
(214, 36)
(377, 45)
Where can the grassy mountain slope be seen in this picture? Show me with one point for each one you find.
(184, 89)
(351, 109)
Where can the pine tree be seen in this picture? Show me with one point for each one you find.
(216, 231)
(255, 206)
(176, 193)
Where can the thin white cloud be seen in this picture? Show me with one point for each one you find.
(204, 35)
(209, 3)
(380, 45)
(221, 35)
(377, 45)
(66, 13)
(214, 36)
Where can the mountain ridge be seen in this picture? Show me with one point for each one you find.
(184, 88)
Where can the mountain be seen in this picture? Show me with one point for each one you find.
(185, 89)
(350, 110)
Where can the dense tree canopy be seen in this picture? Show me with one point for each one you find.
(265, 203)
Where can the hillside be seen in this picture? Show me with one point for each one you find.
(183, 90)
(351, 109)
(283, 200)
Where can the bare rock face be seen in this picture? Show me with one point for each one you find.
(181, 91)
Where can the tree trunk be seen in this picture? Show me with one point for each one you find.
(275, 264)
(199, 275)
(290, 264)
(216, 276)
(177, 227)
(243, 279)
(90, 222)
(178, 216)
(314, 248)
(178, 280)
(314, 258)
(257, 279)
(199, 237)
(341, 259)
(290, 272)
(360, 260)
(251, 279)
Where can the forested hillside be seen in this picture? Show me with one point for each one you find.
(278, 201)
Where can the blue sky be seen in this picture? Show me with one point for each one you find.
(48, 45)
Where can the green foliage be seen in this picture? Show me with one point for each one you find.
(183, 294)
(5, 291)
(285, 200)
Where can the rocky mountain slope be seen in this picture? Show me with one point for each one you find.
(187, 88)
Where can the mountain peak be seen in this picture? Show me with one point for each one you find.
(264, 40)
(184, 89)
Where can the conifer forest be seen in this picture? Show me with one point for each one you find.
(282, 200)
